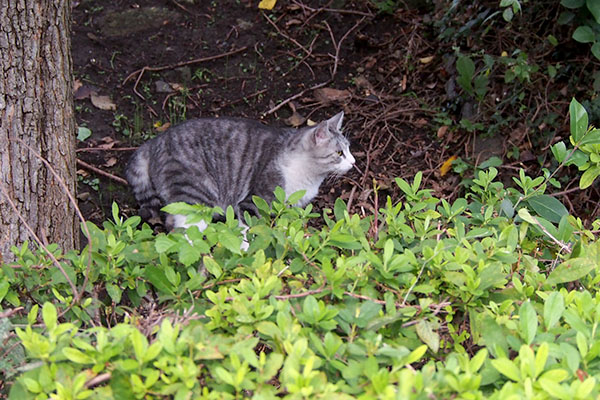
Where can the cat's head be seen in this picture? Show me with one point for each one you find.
(328, 147)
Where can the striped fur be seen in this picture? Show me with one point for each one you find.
(225, 161)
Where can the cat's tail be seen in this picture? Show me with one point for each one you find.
(138, 177)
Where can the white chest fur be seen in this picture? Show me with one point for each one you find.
(298, 175)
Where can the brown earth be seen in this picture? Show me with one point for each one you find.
(142, 66)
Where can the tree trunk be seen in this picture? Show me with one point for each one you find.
(36, 110)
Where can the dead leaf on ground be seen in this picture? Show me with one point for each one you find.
(370, 62)
(330, 95)
(442, 131)
(102, 102)
(76, 85)
(295, 120)
(421, 122)
(267, 4)
(162, 127)
(362, 83)
(111, 162)
(426, 60)
(83, 91)
(447, 165)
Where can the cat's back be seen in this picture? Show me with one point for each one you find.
(221, 135)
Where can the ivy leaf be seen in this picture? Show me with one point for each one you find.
(572, 3)
(83, 133)
(596, 50)
(584, 34)
(594, 7)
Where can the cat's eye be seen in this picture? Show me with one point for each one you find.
(340, 153)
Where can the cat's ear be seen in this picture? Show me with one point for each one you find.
(320, 133)
(336, 121)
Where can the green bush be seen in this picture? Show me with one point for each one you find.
(491, 296)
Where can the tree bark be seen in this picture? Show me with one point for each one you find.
(36, 110)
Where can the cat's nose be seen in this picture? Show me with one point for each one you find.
(351, 158)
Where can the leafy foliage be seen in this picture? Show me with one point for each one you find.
(494, 295)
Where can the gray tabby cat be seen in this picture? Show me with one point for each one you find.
(226, 161)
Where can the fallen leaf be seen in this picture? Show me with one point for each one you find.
(426, 60)
(371, 61)
(447, 165)
(162, 127)
(110, 162)
(441, 132)
(310, 122)
(83, 133)
(295, 120)
(267, 4)
(83, 196)
(102, 102)
(83, 92)
(362, 83)
(421, 122)
(329, 95)
(293, 21)
(76, 84)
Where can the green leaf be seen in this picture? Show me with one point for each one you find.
(548, 207)
(49, 315)
(427, 335)
(527, 322)
(541, 356)
(553, 309)
(212, 266)
(180, 208)
(465, 67)
(77, 356)
(339, 209)
(554, 389)
(83, 133)
(188, 254)
(32, 385)
(507, 368)
(591, 137)
(584, 34)
(571, 270)
(156, 276)
(164, 244)
(572, 3)
(526, 216)
(139, 343)
(114, 292)
(589, 176)
(579, 120)
(596, 50)
(296, 196)
(560, 151)
(594, 7)
(230, 241)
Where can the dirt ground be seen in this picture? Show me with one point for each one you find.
(143, 66)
